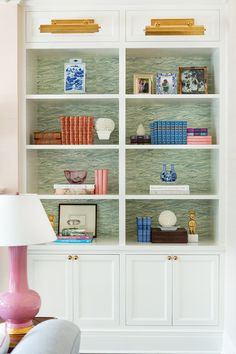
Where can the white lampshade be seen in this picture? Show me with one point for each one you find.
(23, 221)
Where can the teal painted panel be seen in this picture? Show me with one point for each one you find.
(51, 166)
(193, 167)
(48, 116)
(205, 211)
(102, 74)
(153, 65)
(107, 215)
(196, 115)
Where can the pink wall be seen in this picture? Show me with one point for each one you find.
(8, 111)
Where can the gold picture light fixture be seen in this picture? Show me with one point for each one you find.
(71, 26)
(174, 27)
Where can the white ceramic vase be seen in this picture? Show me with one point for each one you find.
(104, 127)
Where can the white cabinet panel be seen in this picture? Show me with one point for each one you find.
(107, 20)
(96, 290)
(148, 290)
(136, 21)
(195, 290)
(51, 277)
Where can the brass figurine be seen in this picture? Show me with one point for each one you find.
(192, 224)
(51, 218)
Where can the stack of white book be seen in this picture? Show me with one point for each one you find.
(69, 189)
(169, 189)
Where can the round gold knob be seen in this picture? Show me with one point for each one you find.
(175, 258)
(169, 258)
(69, 257)
(76, 257)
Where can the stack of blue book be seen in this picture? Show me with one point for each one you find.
(144, 225)
(168, 132)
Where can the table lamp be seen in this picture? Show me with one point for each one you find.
(23, 222)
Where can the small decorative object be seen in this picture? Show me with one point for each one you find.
(51, 218)
(174, 27)
(101, 181)
(140, 130)
(74, 76)
(192, 227)
(170, 176)
(104, 127)
(166, 84)
(70, 26)
(78, 216)
(193, 80)
(75, 176)
(143, 83)
(167, 219)
(4, 339)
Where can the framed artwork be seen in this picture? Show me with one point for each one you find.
(143, 83)
(193, 80)
(166, 84)
(74, 76)
(78, 216)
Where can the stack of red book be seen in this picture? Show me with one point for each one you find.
(77, 130)
(199, 140)
(46, 138)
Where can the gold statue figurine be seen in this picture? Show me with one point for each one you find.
(51, 218)
(192, 224)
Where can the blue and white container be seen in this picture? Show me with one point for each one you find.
(74, 76)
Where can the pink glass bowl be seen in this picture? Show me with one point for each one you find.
(75, 176)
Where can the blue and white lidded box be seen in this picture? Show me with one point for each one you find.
(74, 76)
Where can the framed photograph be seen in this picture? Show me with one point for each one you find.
(78, 216)
(166, 84)
(143, 83)
(74, 76)
(193, 80)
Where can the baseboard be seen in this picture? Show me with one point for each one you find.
(151, 342)
(228, 347)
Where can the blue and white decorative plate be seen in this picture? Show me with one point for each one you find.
(74, 76)
(166, 84)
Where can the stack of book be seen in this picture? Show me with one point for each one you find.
(74, 235)
(144, 225)
(168, 132)
(101, 181)
(198, 136)
(167, 189)
(69, 189)
(140, 139)
(47, 138)
(77, 130)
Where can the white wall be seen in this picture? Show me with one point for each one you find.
(230, 303)
(8, 111)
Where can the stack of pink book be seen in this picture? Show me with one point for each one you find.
(77, 129)
(86, 238)
(199, 140)
(101, 181)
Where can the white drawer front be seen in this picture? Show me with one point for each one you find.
(136, 21)
(108, 20)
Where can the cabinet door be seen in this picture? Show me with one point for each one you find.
(195, 290)
(96, 291)
(148, 290)
(51, 277)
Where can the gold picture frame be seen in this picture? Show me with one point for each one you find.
(143, 83)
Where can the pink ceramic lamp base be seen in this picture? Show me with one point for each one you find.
(19, 305)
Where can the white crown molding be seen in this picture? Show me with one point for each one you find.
(18, 2)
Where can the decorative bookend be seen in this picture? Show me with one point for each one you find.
(101, 181)
(174, 27)
(70, 26)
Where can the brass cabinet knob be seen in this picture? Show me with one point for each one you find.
(169, 258)
(175, 258)
(76, 257)
(69, 257)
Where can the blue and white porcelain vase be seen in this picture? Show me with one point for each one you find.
(170, 176)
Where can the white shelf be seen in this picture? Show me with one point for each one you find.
(154, 98)
(72, 97)
(173, 196)
(83, 197)
(173, 146)
(71, 147)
